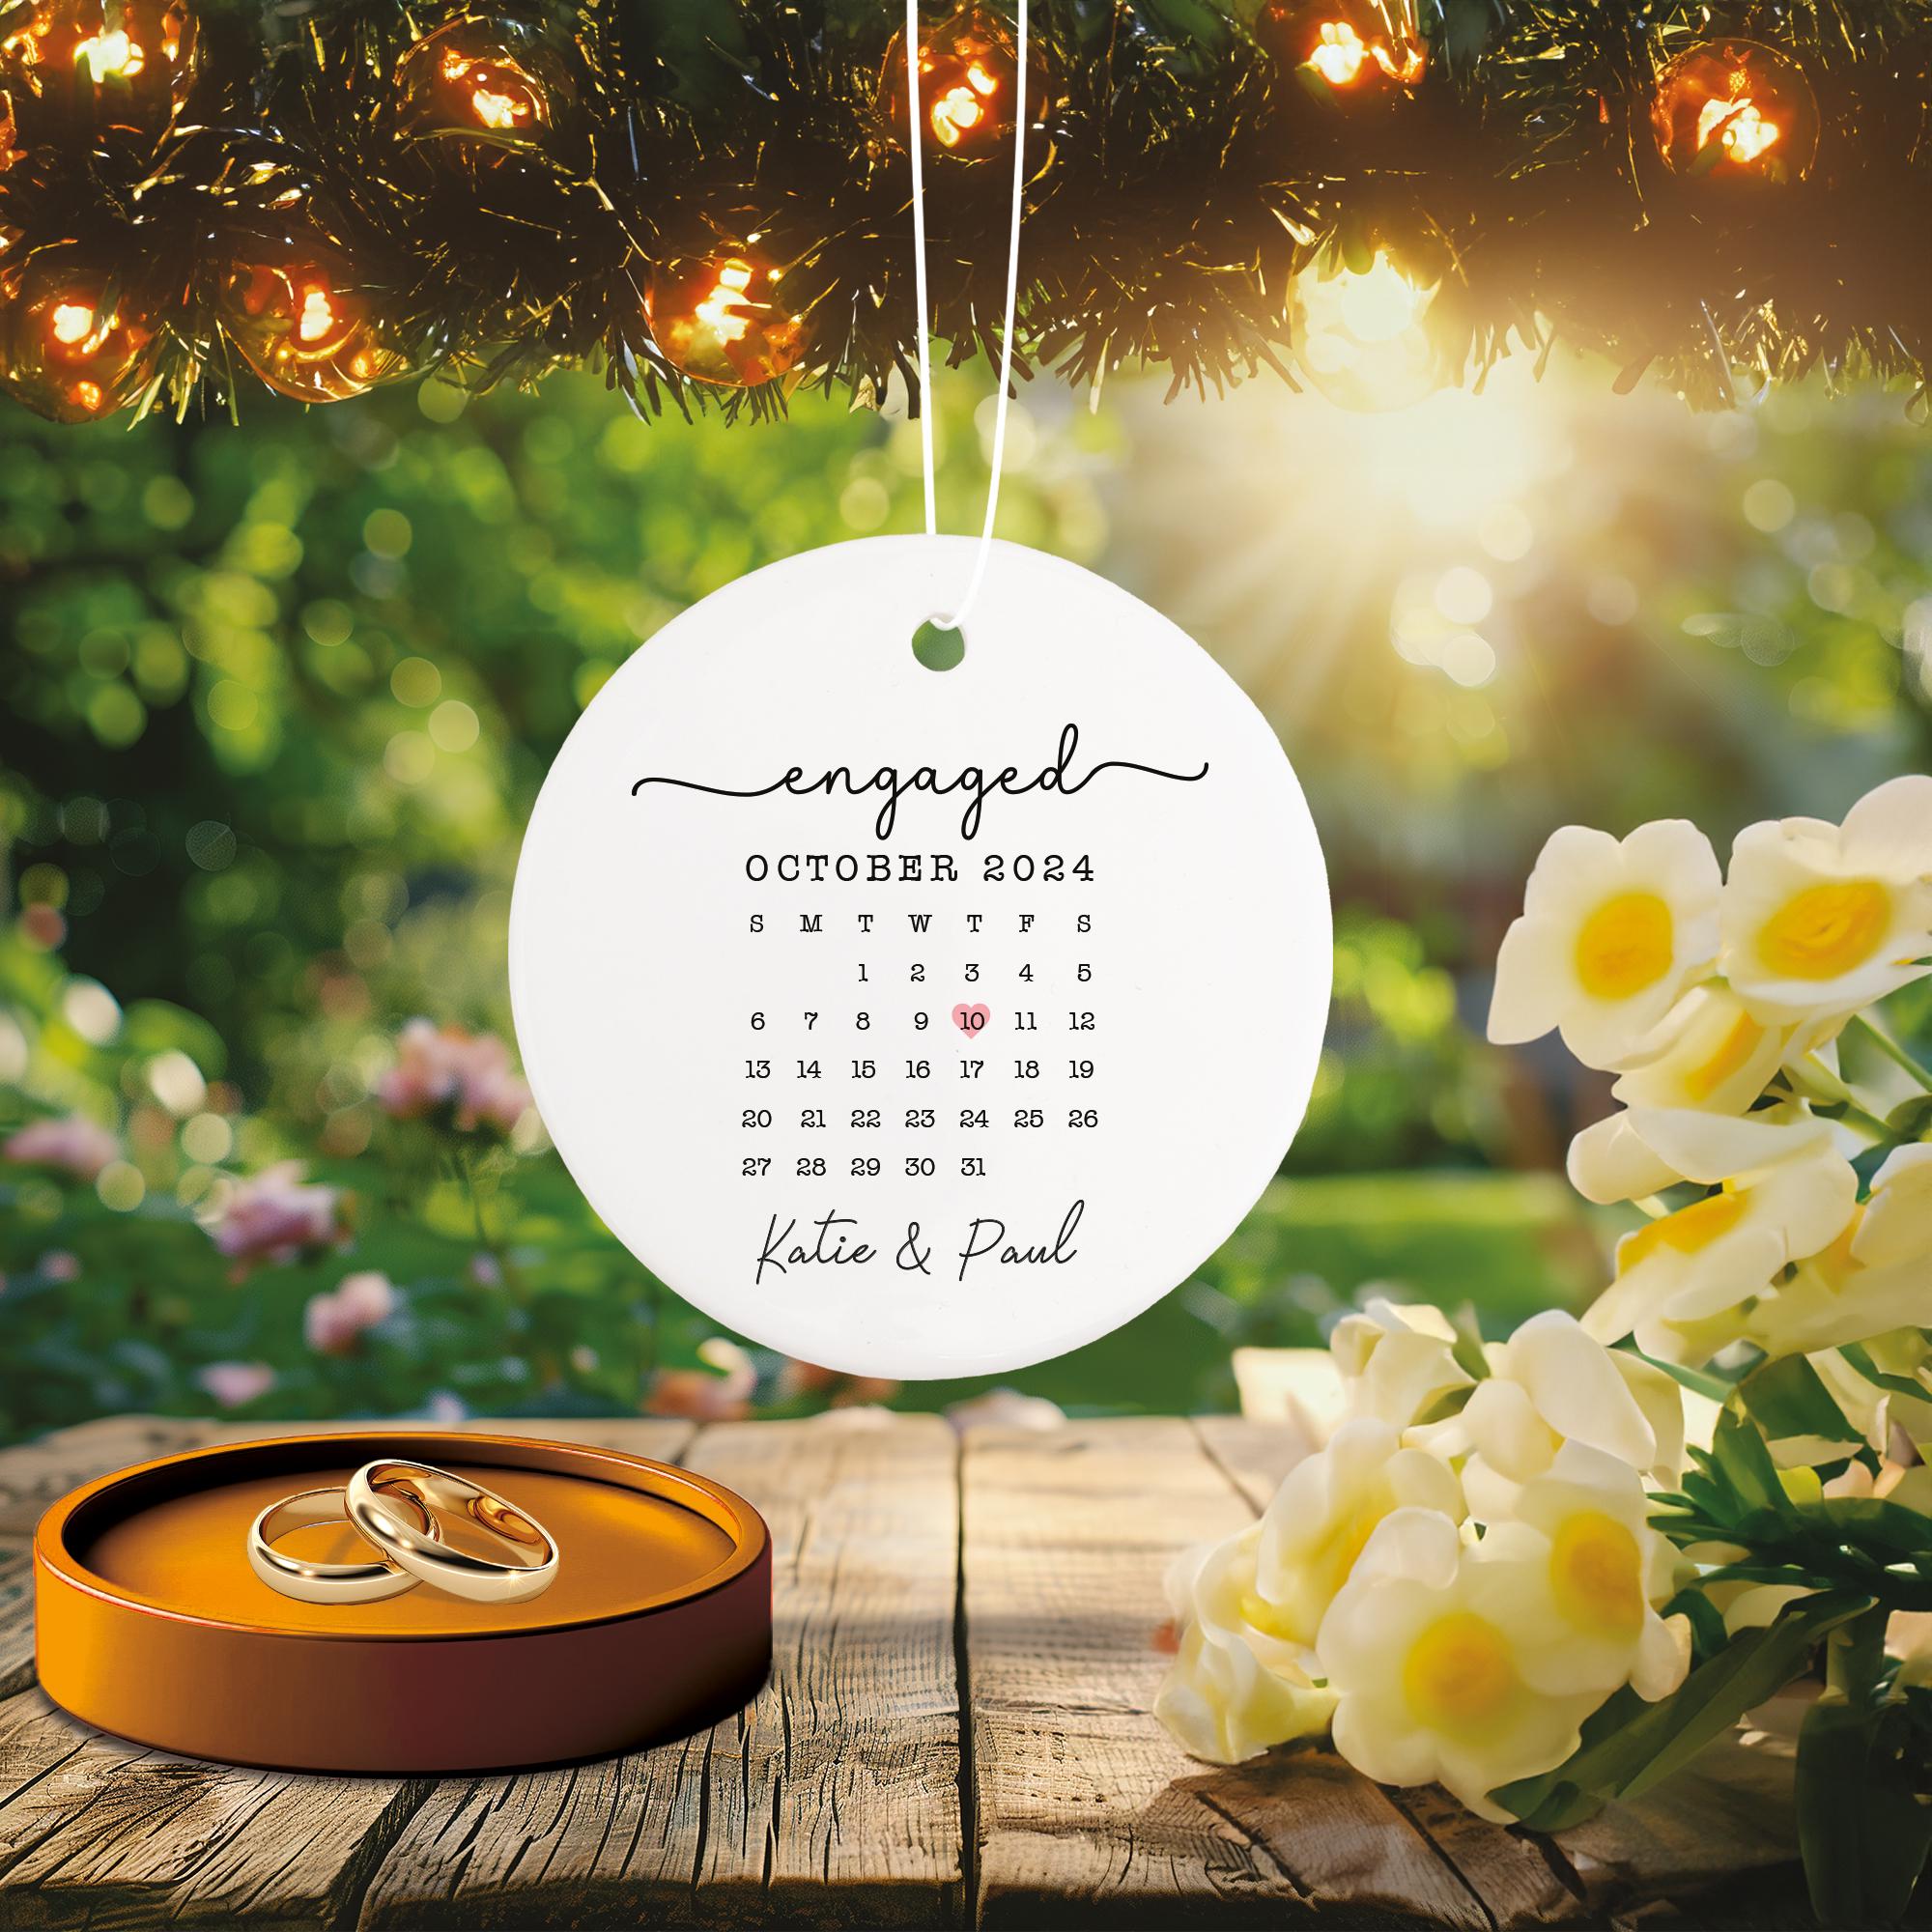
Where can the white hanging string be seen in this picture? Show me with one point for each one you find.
(956, 621)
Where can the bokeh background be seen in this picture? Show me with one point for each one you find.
(276, 699)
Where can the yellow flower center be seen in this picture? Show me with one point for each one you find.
(1625, 946)
(1735, 1048)
(1826, 931)
(1596, 1573)
(1685, 1232)
(1458, 1675)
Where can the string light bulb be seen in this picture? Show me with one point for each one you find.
(1360, 336)
(116, 42)
(1735, 111)
(722, 318)
(482, 77)
(300, 322)
(70, 349)
(1346, 50)
(968, 85)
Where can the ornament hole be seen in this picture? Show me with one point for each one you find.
(937, 647)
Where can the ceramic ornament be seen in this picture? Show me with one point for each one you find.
(921, 1023)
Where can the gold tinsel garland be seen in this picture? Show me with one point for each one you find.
(709, 196)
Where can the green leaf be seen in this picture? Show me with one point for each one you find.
(1860, 1357)
(1468, 1349)
(1740, 1457)
(1643, 1746)
(1895, 1530)
(1788, 1398)
(1865, 1834)
(1708, 1635)
(1699, 1380)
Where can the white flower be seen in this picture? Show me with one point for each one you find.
(1876, 1276)
(1397, 1362)
(1716, 1058)
(1610, 936)
(1908, 1637)
(1232, 1691)
(1431, 1648)
(1686, 1283)
(1644, 1149)
(1552, 1385)
(1598, 1572)
(1324, 1513)
(1822, 919)
(1610, 1161)
(1748, 1607)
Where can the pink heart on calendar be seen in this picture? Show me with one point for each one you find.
(970, 1019)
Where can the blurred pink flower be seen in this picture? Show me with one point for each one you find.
(60, 1264)
(276, 1216)
(700, 1396)
(445, 1066)
(333, 1323)
(232, 1384)
(72, 1143)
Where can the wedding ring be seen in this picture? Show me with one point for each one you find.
(364, 1583)
(380, 1494)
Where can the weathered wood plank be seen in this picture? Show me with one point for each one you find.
(93, 1827)
(1729, 1813)
(832, 1801)
(17, 1616)
(44, 1779)
(37, 1473)
(1088, 1812)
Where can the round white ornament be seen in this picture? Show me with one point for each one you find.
(921, 1023)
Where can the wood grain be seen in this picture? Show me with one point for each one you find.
(1730, 1812)
(17, 1616)
(834, 1800)
(93, 1829)
(1087, 1812)
(39, 1473)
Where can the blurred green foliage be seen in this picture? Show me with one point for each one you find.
(277, 699)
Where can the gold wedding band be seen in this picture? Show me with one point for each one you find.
(363, 1582)
(378, 1496)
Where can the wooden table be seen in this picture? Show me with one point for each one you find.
(957, 1732)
